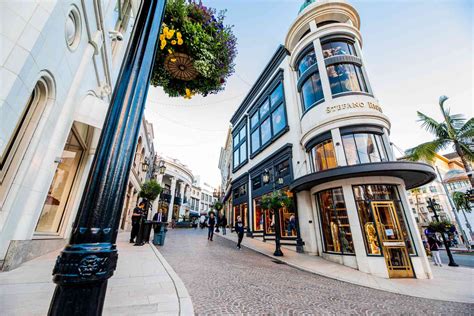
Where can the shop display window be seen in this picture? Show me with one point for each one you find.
(257, 215)
(241, 210)
(346, 78)
(363, 148)
(364, 195)
(335, 228)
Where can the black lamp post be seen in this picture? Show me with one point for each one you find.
(435, 207)
(162, 167)
(89, 260)
(266, 178)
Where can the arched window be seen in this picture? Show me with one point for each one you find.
(323, 155)
(18, 130)
(136, 160)
(309, 82)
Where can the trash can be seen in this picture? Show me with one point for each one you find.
(160, 233)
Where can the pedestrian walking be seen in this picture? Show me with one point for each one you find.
(211, 222)
(291, 225)
(224, 224)
(202, 221)
(136, 218)
(434, 248)
(239, 229)
(219, 220)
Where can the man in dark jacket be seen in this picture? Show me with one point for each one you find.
(136, 218)
(211, 223)
(224, 224)
(239, 229)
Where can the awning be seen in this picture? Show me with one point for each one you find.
(414, 174)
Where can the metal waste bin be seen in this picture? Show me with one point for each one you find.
(160, 233)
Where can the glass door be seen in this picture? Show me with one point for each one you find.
(54, 207)
(391, 236)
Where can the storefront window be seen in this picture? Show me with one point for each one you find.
(287, 221)
(324, 156)
(364, 196)
(346, 78)
(54, 208)
(363, 148)
(257, 215)
(241, 210)
(337, 236)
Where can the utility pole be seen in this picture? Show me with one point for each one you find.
(89, 260)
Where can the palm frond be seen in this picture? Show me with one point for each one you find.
(466, 131)
(432, 126)
(426, 151)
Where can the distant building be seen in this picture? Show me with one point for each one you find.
(225, 167)
(452, 177)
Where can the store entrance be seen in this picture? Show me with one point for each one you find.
(392, 242)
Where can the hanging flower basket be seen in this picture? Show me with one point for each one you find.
(197, 51)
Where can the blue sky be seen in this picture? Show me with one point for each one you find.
(414, 52)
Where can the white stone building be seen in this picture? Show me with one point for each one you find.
(141, 171)
(59, 62)
(312, 122)
(225, 167)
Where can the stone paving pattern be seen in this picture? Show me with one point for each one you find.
(224, 280)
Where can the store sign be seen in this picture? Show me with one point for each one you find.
(353, 105)
(393, 244)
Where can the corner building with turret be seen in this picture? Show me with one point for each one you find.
(312, 122)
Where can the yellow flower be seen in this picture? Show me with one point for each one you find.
(178, 35)
(162, 37)
(165, 30)
(173, 60)
(189, 94)
(163, 44)
(173, 42)
(170, 34)
(180, 41)
(170, 51)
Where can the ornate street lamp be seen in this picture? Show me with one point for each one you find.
(145, 165)
(266, 178)
(84, 266)
(162, 167)
(435, 207)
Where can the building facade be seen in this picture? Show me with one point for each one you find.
(59, 63)
(312, 121)
(141, 171)
(177, 183)
(225, 167)
(451, 177)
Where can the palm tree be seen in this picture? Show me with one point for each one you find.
(462, 203)
(453, 131)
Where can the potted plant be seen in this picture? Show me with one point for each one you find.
(274, 202)
(197, 51)
(149, 191)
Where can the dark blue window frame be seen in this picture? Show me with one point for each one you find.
(259, 117)
(238, 145)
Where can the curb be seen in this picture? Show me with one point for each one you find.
(296, 266)
(184, 299)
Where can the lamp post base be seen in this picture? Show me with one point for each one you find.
(278, 253)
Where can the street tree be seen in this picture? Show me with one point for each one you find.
(454, 131)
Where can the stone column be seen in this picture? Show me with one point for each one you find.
(323, 74)
(156, 202)
(170, 206)
(182, 189)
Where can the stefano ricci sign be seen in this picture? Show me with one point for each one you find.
(353, 105)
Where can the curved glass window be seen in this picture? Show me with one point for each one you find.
(324, 156)
(335, 228)
(312, 91)
(338, 47)
(307, 61)
(346, 78)
(363, 148)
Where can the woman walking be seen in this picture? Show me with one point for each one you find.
(211, 222)
(434, 248)
(239, 229)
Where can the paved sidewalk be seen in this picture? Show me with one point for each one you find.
(143, 284)
(454, 284)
